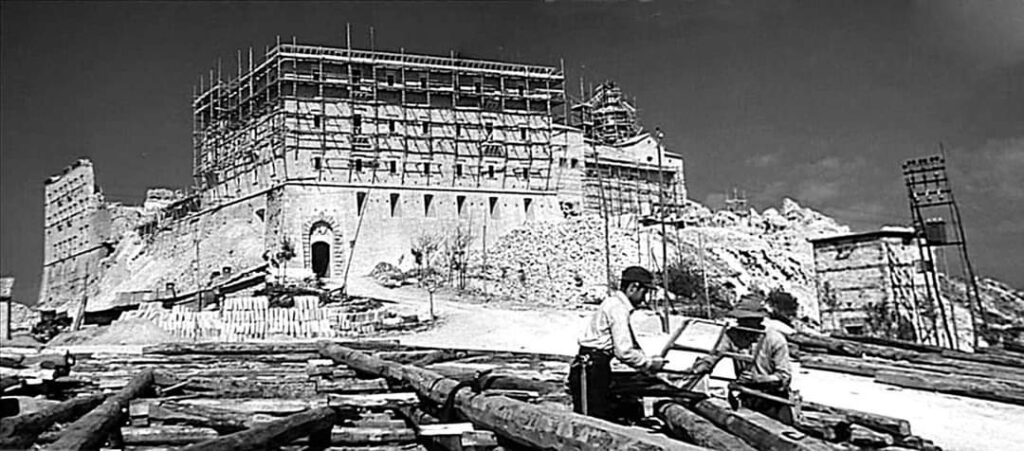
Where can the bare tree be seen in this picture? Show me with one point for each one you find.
(456, 244)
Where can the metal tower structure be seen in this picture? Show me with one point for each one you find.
(935, 213)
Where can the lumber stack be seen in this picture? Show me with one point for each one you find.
(232, 396)
(992, 376)
(391, 396)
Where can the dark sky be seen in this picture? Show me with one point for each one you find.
(819, 100)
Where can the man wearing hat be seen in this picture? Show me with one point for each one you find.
(609, 334)
(767, 369)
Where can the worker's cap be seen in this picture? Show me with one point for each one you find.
(639, 275)
(750, 306)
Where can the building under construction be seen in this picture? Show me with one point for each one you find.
(343, 156)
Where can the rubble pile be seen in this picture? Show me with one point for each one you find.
(564, 264)
(557, 265)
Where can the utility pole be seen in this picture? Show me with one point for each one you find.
(664, 235)
(604, 215)
(704, 274)
(195, 273)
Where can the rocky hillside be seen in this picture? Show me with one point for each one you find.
(562, 265)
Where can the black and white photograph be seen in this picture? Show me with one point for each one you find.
(785, 225)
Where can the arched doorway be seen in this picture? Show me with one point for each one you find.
(321, 259)
(321, 236)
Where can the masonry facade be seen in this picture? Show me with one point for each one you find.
(76, 225)
(345, 156)
(869, 284)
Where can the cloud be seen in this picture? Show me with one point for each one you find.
(715, 201)
(764, 160)
(994, 170)
(988, 33)
(819, 182)
(817, 191)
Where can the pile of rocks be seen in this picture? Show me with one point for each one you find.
(558, 265)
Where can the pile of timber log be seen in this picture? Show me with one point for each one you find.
(249, 395)
(990, 375)
(381, 395)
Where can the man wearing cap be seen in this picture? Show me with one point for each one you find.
(609, 334)
(767, 369)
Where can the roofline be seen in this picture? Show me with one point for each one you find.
(864, 236)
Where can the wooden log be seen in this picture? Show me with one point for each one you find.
(522, 423)
(361, 436)
(840, 364)
(889, 342)
(166, 435)
(867, 438)
(223, 421)
(869, 366)
(826, 426)
(28, 404)
(90, 431)
(756, 429)
(915, 442)
(193, 359)
(352, 386)
(22, 430)
(970, 386)
(1016, 347)
(465, 440)
(478, 441)
(277, 406)
(421, 357)
(500, 379)
(378, 420)
(687, 425)
(944, 357)
(894, 426)
(378, 401)
(251, 388)
(272, 434)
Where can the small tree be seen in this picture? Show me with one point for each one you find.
(285, 254)
(425, 246)
(456, 245)
(686, 280)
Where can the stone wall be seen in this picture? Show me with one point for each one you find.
(392, 219)
(75, 227)
(869, 285)
(230, 235)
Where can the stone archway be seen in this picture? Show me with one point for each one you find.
(322, 247)
(320, 238)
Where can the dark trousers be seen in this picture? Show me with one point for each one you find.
(782, 412)
(590, 378)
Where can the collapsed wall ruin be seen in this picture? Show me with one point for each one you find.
(75, 227)
(342, 157)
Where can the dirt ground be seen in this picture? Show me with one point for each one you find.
(952, 422)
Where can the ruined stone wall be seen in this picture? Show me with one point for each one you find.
(230, 235)
(75, 226)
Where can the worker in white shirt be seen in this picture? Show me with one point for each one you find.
(609, 334)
